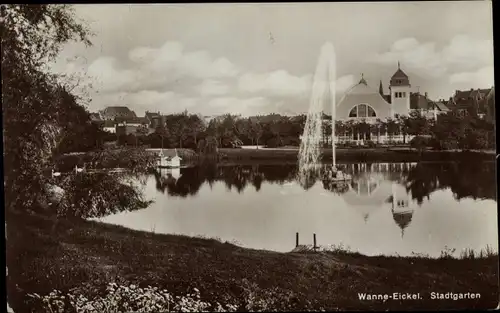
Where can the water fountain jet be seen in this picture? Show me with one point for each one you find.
(323, 89)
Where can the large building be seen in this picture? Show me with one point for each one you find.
(363, 103)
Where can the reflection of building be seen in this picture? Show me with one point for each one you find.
(366, 193)
(401, 207)
(371, 189)
(175, 173)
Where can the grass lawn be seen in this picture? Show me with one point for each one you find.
(43, 255)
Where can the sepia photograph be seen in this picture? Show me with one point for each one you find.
(249, 157)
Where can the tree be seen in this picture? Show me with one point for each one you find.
(141, 131)
(255, 130)
(392, 128)
(242, 128)
(34, 102)
(197, 126)
(163, 132)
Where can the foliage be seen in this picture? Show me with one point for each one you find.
(36, 106)
(120, 298)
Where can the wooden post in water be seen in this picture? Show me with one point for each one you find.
(296, 239)
(314, 241)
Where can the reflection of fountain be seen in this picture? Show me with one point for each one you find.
(310, 150)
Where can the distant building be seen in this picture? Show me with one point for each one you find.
(155, 119)
(109, 126)
(112, 112)
(132, 121)
(473, 100)
(126, 126)
(94, 117)
(361, 102)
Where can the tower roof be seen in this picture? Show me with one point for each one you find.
(399, 74)
(399, 78)
(362, 80)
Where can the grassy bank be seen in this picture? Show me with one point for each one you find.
(43, 255)
(356, 155)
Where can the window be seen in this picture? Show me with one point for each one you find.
(371, 112)
(362, 111)
(354, 112)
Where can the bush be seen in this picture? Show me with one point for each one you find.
(119, 298)
(274, 143)
(370, 144)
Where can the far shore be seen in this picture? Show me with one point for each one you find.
(288, 155)
(389, 154)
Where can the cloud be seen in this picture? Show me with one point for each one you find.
(282, 84)
(469, 53)
(482, 78)
(172, 57)
(212, 87)
(462, 53)
(344, 82)
(243, 106)
(109, 78)
(279, 83)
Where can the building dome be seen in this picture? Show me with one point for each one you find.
(361, 101)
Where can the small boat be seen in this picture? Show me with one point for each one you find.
(169, 162)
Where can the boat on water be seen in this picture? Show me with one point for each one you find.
(166, 161)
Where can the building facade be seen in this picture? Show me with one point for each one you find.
(362, 103)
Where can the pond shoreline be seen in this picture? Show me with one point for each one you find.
(358, 155)
(290, 155)
(89, 255)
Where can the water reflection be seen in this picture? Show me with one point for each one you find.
(465, 180)
(387, 208)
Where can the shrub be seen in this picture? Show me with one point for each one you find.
(119, 298)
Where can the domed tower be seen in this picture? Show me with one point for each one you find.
(400, 92)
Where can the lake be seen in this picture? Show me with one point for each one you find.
(388, 208)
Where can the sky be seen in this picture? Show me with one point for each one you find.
(261, 58)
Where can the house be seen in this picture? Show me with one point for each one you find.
(112, 112)
(155, 119)
(428, 108)
(109, 126)
(127, 126)
(132, 121)
(471, 101)
(94, 117)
